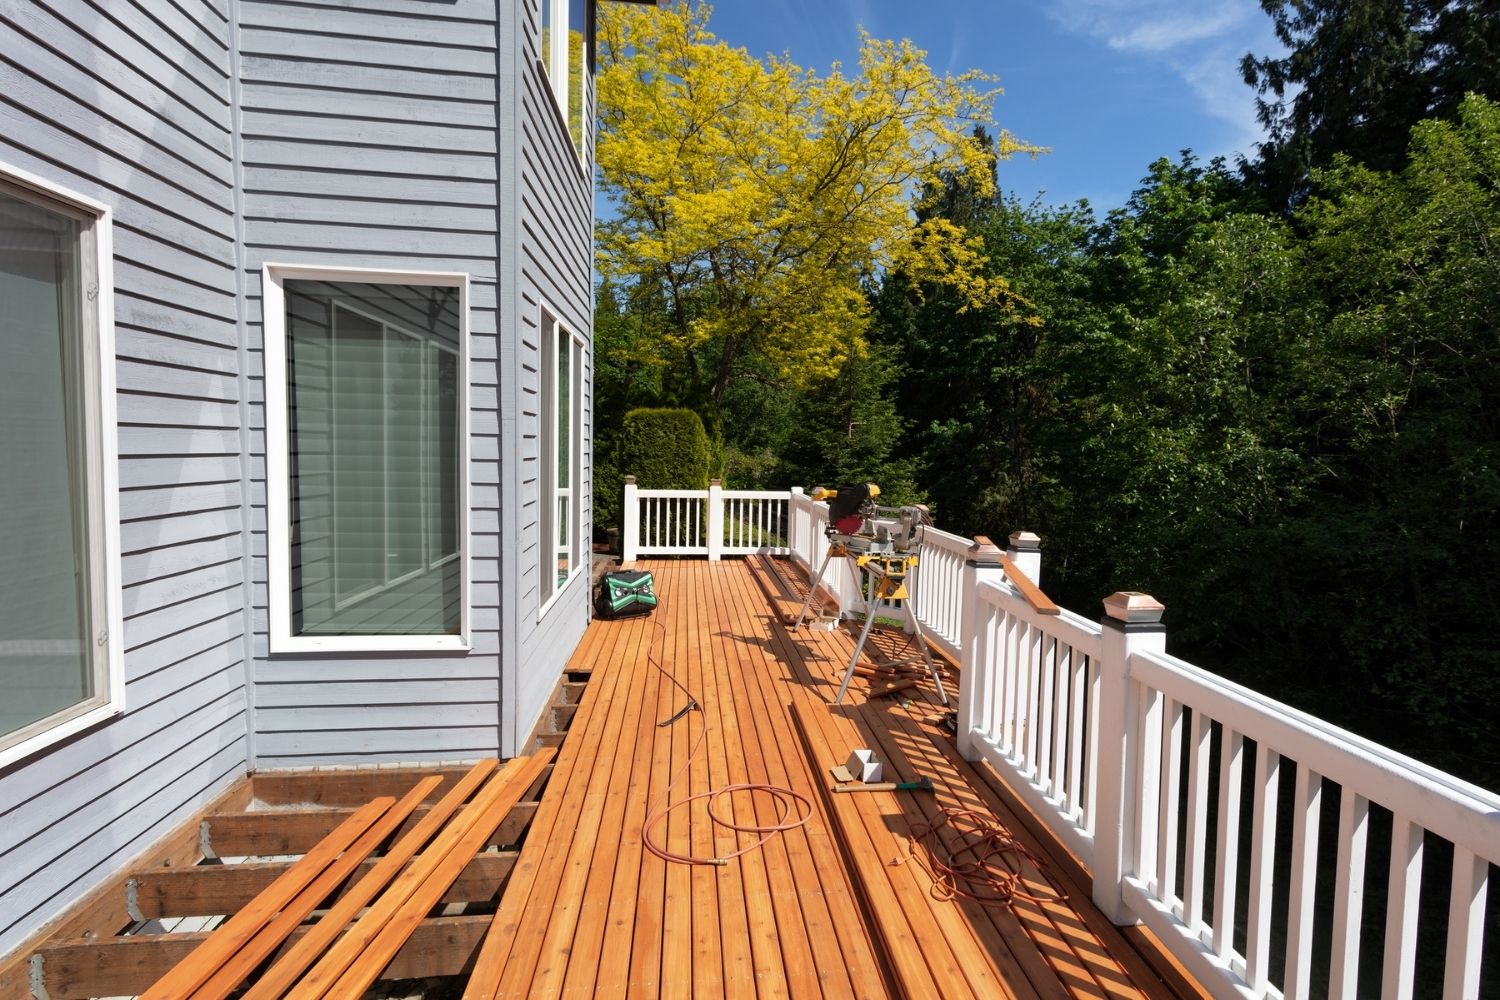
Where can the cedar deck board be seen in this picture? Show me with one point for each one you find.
(1143, 958)
(788, 919)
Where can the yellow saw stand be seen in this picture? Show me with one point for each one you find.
(884, 577)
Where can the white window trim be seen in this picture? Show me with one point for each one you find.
(558, 81)
(557, 76)
(278, 487)
(548, 546)
(101, 446)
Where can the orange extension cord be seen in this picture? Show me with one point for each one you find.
(784, 797)
(976, 866)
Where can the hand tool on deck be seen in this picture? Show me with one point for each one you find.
(847, 782)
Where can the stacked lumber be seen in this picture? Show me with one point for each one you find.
(334, 957)
(381, 851)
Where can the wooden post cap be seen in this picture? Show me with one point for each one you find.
(629, 480)
(983, 549)
(1025, 541)
(715, 482)
(1132, 607)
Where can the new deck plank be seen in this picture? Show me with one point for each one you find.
(846, 961)
(588, 911)
(532, 888)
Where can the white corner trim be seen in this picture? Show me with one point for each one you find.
(278, 499)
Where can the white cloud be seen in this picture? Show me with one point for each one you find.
(1201, 42)
(1172, 31)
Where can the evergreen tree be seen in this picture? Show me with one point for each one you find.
(1358, 75)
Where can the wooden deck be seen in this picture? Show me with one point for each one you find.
(843, 906)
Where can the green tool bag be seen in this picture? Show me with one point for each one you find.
(625, 593)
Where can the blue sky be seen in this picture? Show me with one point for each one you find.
(1109, 85)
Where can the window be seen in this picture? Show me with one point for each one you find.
(567, 55)
(562, 455)
(366, 458)
(61, 662)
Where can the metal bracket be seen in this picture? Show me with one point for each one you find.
(205, 845)
(37, 978)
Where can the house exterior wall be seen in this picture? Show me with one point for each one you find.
(225, 135)
(131, 105)
(371, 140)
(553, 202)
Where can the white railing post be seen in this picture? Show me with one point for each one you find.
(715, 520)
(975, 674)
(1132, 624)
(1025, 550)
(793, 522)
(631, 539)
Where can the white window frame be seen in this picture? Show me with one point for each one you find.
(278, 484)
(549, 548)
(96, 351)
(559, 76)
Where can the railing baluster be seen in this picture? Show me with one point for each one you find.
(1471, 877)
(1226, 859)
(1092, 751)
(1348, 894)
(1005, 643)
(1305, 815)
(1193, 874)
(1262, 868)
(1078, 745)
(1033, 703)
(1013, 646)
(1148, 815)
(1064, 735)
(1401, 909)
(1171, 767)
(1044, 740)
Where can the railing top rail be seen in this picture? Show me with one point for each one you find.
(1448, 806)
(671, 494)
(755, 494)
(945, 540)
(1068, 626)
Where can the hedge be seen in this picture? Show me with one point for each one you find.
(665, 449)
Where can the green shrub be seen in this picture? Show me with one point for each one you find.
(665, 449)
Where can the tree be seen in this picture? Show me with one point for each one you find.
(1358, 75)
(757, 196)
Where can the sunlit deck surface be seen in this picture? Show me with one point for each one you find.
(826, 910)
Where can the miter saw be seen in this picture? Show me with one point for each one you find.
(882, 547)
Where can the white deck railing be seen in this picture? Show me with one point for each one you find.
(1167, 782)
(1171, 784)
(714, 522)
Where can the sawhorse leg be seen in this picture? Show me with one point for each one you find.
(916, 630)
(812, 588)
(858, 648)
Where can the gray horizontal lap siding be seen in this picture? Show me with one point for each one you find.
(129, 103)
(555, 244)
(370, 140)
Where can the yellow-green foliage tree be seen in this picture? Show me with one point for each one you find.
(755, 197)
